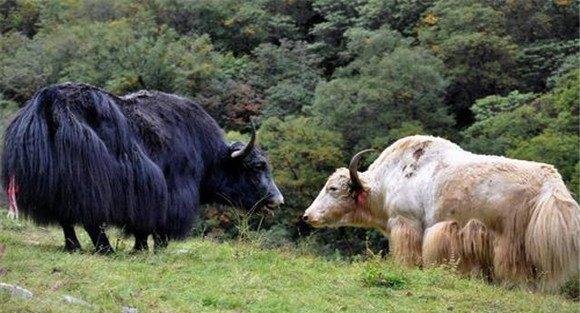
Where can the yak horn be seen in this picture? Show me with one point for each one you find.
(353, 169)
(245, 151)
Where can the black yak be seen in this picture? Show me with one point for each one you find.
(144, 162)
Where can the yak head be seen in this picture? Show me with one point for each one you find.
(343, 200)
(246, 178)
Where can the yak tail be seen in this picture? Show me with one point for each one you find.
(552, 240)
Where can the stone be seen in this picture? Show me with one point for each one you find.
(128, 309)
(16, 291)
(73, 300)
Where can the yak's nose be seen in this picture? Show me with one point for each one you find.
(279, 199)
(276, 200)
(276, 197)
(311, 219)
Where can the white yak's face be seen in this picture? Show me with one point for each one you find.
(336, 205)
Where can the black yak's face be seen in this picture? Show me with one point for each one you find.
(248, 181)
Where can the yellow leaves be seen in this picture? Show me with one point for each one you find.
(563, 3)
(403, 96)
(249, 30)
(430, 19)
(229, 22)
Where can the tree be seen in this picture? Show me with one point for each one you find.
(236, 26)
(21, 16)
(534, 20)
(401, 15)
(539, 60)
(480, 59)
(337, 16)
(287, 75)
(23, 67)
(372, 97)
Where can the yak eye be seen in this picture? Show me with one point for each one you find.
(332, 189)
(260, 166)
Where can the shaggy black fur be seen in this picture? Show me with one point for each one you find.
(144, 162)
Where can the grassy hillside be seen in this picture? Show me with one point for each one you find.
(200, 275)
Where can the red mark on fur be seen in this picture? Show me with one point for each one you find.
(361, 198)
(12, 191)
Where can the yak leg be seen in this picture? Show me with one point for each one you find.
(476, 249)
(405, 241)
(71, 243)
(99, 238)
(509, 263)
(160, 241)
(441, 244)
(140, 242)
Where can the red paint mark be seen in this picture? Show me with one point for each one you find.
(12, 191)
(361, 198)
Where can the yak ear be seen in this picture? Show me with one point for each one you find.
(361, 187)
(360, 194)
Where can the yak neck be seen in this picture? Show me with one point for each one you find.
(214, 177)
(372, 210)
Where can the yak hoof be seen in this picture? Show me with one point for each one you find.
(105, 250)
(72, 249)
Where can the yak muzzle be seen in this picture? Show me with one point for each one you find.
(275, 201)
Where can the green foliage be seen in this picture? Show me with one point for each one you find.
(493, 105)
(287, 74)
(7, 110)
(375, 276)
(23, 67)
(22, 16)
(540, 59)
(401, 15)
(237, 26)
(471, 39)
(402, 86)
(338, 16)
(304, 154)
(533, 20)
(112, 54)
(232, 136)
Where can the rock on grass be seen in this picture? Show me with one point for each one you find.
(16, 291)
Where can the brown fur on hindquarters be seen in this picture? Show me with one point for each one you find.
(405, 241)
(441, 244)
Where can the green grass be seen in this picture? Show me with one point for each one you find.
(200, 275)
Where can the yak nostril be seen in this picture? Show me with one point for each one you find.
(305, 218)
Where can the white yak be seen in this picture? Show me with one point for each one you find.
(511, 220)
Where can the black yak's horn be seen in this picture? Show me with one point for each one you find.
(353, 169)
(242, 153)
